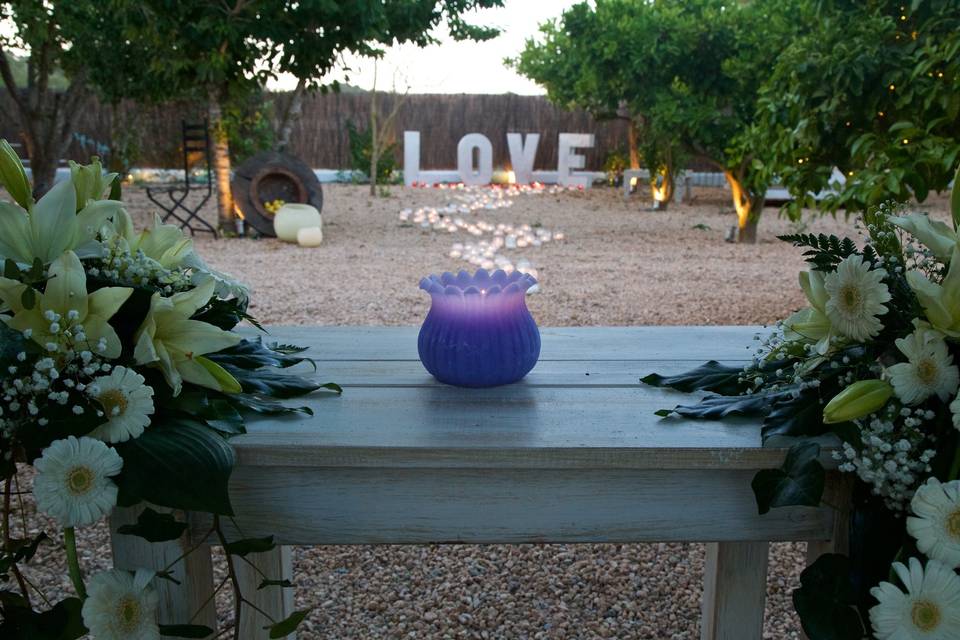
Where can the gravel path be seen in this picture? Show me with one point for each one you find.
(618, 266)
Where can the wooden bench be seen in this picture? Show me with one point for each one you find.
(572, 454)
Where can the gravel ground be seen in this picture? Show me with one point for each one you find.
(620, 265)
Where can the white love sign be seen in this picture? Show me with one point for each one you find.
(475, 160)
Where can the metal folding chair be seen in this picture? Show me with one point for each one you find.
(196, 148)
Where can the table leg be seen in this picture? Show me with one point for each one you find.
(189, 602)
(734, 591)
(276, 601)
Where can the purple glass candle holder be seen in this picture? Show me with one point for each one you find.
(479, 332)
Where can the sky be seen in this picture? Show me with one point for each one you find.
(457, 67)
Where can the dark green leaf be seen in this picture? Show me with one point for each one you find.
(250, 545)
(154, 527)
(802, 416)
(276, 384)
(179, 464)
(285, 584)
(210, 407)
(11, 270)
(266, 406)
(116, 189)
(166, 575)
(253, 354)
(63, 622)
(28, 298)
(711, 376)
(798, 482)
(825, 600)
(289, 625)
(224, 314)
(185, 630)
(719, 407)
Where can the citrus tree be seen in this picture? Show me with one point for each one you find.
(604, 59)
(687, 73)
(874, 90)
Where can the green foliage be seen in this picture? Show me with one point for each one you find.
(873, 88)
(62, 622)
(687, 73)
(361, 148)
(248, 121)
(719, 407)
(799, 481)
(153, 526)
(711, 376)
(287, 626)
(614, 165)
(824, 252)
(826, 599)
(179, 464)
(250, 545)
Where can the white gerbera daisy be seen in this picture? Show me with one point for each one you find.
(955, 412)
(856, 296)
(127, 404)
(121, 606)
(73, 480)
(929, 610)
(929, 369)
(937, 525)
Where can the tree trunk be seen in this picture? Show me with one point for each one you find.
(43, 167)
(374, 140)
(46, 117)
(661, 186)
(226, 218)
(632, 135)
(749, 206)
(291, 116)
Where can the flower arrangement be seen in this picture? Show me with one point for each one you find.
(873, 362)
(122, 382)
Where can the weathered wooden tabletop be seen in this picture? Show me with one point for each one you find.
(402, 458)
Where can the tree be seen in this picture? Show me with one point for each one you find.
(688, 72)
(874, 90)
(590, 59)
(719, 54)
(215, 51)
(59, 39)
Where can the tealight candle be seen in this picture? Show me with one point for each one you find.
(479, 332)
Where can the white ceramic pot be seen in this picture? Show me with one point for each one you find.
(293, 217)
(310, 237)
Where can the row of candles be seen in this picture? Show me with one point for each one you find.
(486, 254)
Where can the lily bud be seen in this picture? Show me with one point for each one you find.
(856, 401)
(13, 177)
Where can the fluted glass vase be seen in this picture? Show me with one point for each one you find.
(479, 332)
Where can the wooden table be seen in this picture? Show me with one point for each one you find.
(571, 454)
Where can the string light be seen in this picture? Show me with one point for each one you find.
(892, 87)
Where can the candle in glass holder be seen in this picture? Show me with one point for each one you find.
(479, 332)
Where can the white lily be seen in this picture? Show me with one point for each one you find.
(52, 226)
(171, 341)
(89, 182)
(66, 297)
(940, 302)
(164, 243)
(811, 324)
(935, 235)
